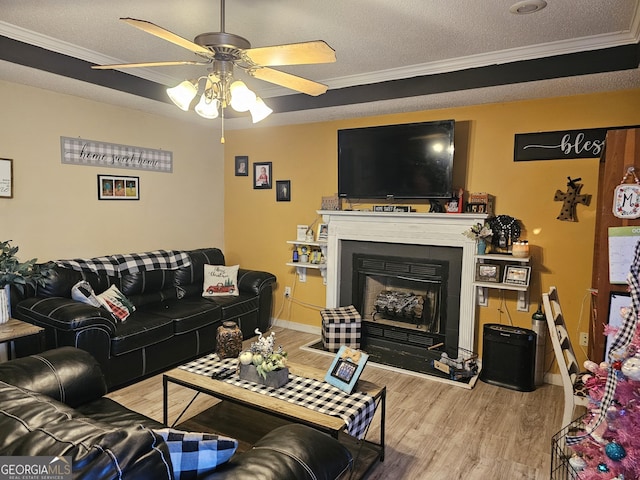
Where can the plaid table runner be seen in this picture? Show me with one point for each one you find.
(118, 265)
(356, 409)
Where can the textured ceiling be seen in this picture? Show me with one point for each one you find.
(392, 56)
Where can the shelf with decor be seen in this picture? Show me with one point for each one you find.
(502, 272)
(302, 266)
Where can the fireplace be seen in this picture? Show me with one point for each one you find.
(381, 257)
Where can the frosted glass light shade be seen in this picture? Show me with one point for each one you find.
(259, 110)
(242, 99)
(207, 108)
(182, 94)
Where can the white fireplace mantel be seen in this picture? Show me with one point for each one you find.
(439, 229)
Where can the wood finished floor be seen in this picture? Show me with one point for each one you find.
(433, 430)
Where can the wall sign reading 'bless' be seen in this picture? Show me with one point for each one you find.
(566, 144)
(79, 151)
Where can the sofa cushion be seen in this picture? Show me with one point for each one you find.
(140, 330)
(234, 307)
(114, 300)
(83, 292)
(194, 454)
(187, 314)
(189, 280)
(220, 280)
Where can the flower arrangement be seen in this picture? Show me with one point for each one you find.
(20, 274)
(264, 355)
(479, 231)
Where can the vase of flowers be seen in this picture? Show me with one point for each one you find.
(481, 233)
(263, 363)
(19, 274)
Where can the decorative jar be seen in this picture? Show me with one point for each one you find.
(228, 340)
(520, 249)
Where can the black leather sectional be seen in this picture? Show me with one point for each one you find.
(172, 323)
(53, 404)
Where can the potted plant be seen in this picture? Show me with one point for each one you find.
(263, 363)
(481, 233)
(19, 274)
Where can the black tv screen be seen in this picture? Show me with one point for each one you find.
(412, 160)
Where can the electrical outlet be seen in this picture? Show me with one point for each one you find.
(287, 292)
(584, 339)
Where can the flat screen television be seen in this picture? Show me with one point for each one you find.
(403, 161)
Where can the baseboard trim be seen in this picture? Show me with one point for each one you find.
(299, 327)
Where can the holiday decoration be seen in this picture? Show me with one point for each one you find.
(570, 199)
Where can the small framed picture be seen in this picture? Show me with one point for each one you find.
(6, 178)
(323, 232)
(488, 272)
(262, 175)
(517, 275)
(112, 187)
(283, 190)
(346, 368)
(242, 166)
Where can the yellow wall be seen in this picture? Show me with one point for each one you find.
(257, 227)
(55, 212)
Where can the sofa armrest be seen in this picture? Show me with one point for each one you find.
(254, 281)
(64, 314)
(290, 452)
(67, 374)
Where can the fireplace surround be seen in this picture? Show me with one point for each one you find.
(424, 237)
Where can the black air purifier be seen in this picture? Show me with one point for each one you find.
(509, 357)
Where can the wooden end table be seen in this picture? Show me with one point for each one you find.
(14, 329)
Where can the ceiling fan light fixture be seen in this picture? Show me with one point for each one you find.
(259, 110)
(242, 99)
(182, 94)
(207, 107)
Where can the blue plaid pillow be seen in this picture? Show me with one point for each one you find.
(193, 454)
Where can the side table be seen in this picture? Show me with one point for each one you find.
(14, 329)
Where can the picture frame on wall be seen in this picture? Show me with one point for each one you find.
(6, 178)
(517, 275)
(283, 190)
(117, 187)
(262, 175)
(242, 166)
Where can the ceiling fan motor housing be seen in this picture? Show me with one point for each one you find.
(226, 46)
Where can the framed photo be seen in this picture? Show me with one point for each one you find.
(488, 272)
(6, 178)
(113, 187)
(323, 232)
(516, 275)
(262, 175)
(346, 368)
(242, 166)
(283, 190)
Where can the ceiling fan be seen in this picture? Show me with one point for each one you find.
(221, 52)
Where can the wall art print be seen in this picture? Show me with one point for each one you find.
(112, 187)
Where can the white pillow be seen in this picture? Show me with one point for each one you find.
(114, 300)
(82, 292)
(220, 280)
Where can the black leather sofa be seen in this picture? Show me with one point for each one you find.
(53, 404)
(172, 322)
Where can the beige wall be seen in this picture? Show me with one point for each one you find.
(55, 212)
(257, 227)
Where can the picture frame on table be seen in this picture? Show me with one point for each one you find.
(262, 175)
(488, 272)
(346, 368)
(242, 166)
(117, 187)
(517, 275)
(283, 190)
(6, 178)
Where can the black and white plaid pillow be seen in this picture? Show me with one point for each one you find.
(193, 454)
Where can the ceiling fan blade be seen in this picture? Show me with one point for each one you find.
(160, 32)
(146, 64)
(289, 81)
(292, 54)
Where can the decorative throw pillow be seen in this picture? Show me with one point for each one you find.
(113, 300)
(195, 454)
(82, 292)
(220, 280)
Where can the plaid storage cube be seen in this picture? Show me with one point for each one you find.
(341, 326)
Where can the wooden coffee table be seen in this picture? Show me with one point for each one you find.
(15, 329)
(365, 451)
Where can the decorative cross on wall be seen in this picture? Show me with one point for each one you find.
(570, 199)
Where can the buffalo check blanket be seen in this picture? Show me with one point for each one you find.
(356, 409)
(118, 265)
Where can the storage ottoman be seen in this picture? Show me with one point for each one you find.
(341, 326)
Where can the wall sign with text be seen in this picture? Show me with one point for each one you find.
(79, 151)
(560, 145)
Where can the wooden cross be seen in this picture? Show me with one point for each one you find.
(570, 199)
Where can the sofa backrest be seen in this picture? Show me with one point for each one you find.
(191, 279)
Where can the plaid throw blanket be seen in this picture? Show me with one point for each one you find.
(118, 265)
(356, 409)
